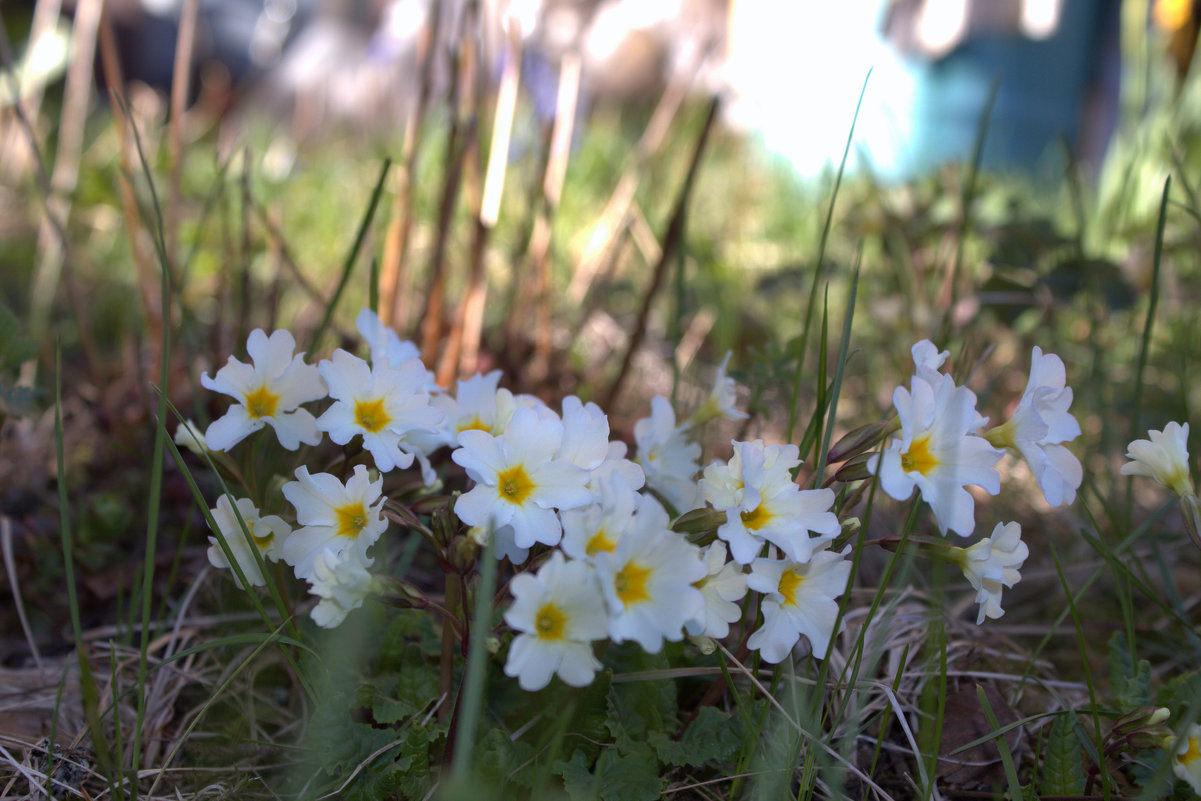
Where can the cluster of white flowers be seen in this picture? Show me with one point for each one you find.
(943, 447)
(588, 530)
(618, 570)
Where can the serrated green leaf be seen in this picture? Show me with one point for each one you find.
(579, 783)
(498, 760)
(1130, 682)
(1062, 769)
(628, 777)
(712, 736)
(637, 708)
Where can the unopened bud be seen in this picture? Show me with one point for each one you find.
(428, 505)
(854, 470)
(860, 440)
(703, 644)
(492, 644)
(398, 592)
(699, 521)
(1143, 728)
(462, 552)
(851, 526)
(1190, 508)
(443, 525)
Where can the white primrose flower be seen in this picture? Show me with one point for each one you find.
(473, 406)
(382, 403)
(187, 435)
(267, 532)
(667, 456)
(597, 527)
(928, 361)
(763, 504)
(649, 581)
(269, 393)
(333, 515)
(798, 599)
(938, 452)
(723, 586)
(519, 482)
(1186, 757)
(1040, 424)
(722, 398)
(558, 612)
(993, 563)
(1164, 458)
(342, 582)
(586, 444)
(388, 348)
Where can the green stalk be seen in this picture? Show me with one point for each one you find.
(351, 257)
(468, 712)
(803, 342)
(1148, 325)
(1088, 674)
(87, 683)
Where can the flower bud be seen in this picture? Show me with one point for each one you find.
(854, 470)
(699, 521)
(398, 592)
(1190, 508)
(860, 440)
(703, 644)
(1143, 728)
(462, 552)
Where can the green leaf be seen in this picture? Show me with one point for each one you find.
(712, 736)
(404, 693)
(637, 708)
(14, 348)
(1062, 770)
(577, 781)
(628, 777)
(1130, 682)
(499, 760)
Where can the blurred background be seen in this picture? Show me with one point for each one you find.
(1047, 72)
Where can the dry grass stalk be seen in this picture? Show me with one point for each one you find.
(462, 134)
(611, 227)
(462, 347)
(552, 190)
(29, 100)
(393, 301)
(148, 279)
(76, 97)
(672, 242)
(180, 88)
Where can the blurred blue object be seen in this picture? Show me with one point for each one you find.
(797, 71)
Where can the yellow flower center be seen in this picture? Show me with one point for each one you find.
(1191, 755)
(550, 622)
(918, 457)
(263, 542)
(352, 518)
(261, 402)
(371, 415)
(630, 583)
(598, 542)
(790, 583)
(474, 424)
(514, 484)
(757, 519)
